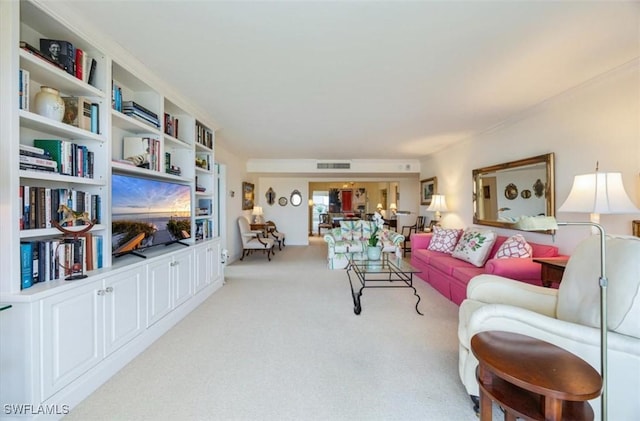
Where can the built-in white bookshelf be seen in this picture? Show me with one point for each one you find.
(121, 307)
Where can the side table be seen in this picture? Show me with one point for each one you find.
(532, 379)
(552, 269)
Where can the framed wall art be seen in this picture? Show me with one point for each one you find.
(428, 187)
(247, 195)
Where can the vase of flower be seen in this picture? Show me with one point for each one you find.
(48, 103)
(374, 252)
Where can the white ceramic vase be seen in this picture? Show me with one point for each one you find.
(374, 253)
(49, 104)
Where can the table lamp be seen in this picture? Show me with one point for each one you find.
(257, 214)
(438, 204)
(594, 193)
(394, 209)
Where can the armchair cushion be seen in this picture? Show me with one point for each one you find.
(580, 279)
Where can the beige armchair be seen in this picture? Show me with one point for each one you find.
(253, 240)
(568, 317)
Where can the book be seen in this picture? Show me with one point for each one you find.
(77, 112)
(95, 118)
(26, 265)
(59, 52)
(31, 149)
(91, 78)
(38, 161)
(24, 86)
(55, 148)
(79, 61)
(34, 51)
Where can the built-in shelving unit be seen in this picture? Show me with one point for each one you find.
(129, 301)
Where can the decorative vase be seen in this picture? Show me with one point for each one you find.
(374, 252)
(49, 104)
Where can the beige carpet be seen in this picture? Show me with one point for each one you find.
(280, 341)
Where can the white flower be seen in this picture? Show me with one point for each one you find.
(378, 220)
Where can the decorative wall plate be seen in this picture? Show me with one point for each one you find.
(511, 191)
(270, 196)
(283, 201)
(538, 188)
(525, 194)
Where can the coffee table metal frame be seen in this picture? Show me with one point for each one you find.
(391, 272)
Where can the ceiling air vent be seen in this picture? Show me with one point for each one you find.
(333, 165)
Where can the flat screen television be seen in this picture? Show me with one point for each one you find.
(147, 212)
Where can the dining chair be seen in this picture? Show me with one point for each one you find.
(324, 222)
(408, 229)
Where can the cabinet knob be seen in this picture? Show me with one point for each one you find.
(100, 292)
(109, 289)
(174, 264)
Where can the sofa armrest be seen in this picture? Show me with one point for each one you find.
(420, 240)
(514, 268)
(395, 237)
(492, 289)
(332, 236)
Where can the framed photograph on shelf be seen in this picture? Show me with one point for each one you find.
(247, 195)
(428, 187)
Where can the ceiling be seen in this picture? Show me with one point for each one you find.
(364, 79)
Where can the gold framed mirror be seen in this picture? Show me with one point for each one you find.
(496, 201)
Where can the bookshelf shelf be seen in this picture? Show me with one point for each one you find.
(33, 121)
(52, 232)
(132, 125)
(49, 75)
(40, 175)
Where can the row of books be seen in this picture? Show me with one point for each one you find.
(63, 54)
(142, 151)
(36, 159)
(41, 205)
(135, 110)
(204, 136)
(204, 229)
(48, 260)
(80, 112)
(171, 125)
(71, 158)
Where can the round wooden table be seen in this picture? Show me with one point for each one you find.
(532, 379)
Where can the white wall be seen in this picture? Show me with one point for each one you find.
(236, 174)
(597, 121)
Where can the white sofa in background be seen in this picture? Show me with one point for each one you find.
(568, 317)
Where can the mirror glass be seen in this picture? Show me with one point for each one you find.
(504, 193)
(296, 198)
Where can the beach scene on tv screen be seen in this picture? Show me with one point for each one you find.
(148, 212)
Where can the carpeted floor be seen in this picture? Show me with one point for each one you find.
(280, 341)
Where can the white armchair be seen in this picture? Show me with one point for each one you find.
(568, 317)
(253, 240)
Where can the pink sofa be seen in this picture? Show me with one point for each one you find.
(450, 276)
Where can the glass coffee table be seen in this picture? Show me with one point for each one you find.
(391, 272)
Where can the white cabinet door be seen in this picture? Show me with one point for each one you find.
(124, 300)
(217, 268)
(203, 267)
(182, 271)
(71, 335)
(159, 290)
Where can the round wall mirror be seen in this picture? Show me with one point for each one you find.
(296, 198)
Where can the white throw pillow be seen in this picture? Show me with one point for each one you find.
(515, 246)
(444, 240)
(474, 246)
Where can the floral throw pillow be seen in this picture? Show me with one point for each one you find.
(474, 246)
(515, 246)
(444, 239)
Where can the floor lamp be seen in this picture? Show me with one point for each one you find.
(594, 193)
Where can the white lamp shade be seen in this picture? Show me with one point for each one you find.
(257, 210)
(598, 193)
(438, 204)
(393, 206)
